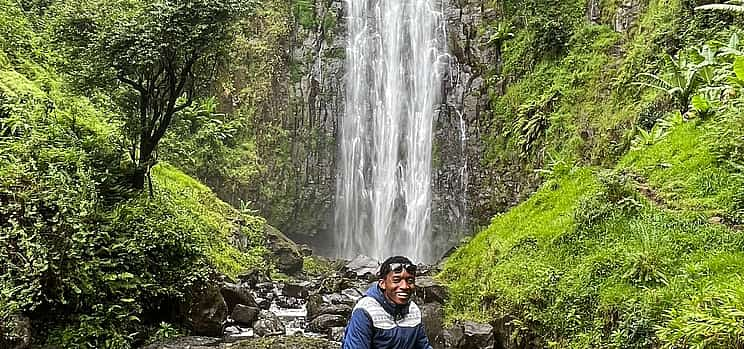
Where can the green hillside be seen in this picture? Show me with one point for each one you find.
(93, 262)
(633, 238)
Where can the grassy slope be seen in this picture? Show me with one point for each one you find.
(621, 257)
(80, 252)
(587, 261)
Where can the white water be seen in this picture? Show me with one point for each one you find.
(383, 195)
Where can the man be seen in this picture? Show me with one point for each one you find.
(386, 318)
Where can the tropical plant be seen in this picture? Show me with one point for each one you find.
(647, 138)
(731, 6)
(681, 81)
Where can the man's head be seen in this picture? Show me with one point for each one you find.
(398, 279)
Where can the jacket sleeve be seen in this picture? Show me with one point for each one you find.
(422, 342)
(358, 334)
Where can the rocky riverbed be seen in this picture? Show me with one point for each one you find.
(255, 311)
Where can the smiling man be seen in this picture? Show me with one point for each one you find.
(386, 318)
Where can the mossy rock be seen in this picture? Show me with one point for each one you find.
(285, 254)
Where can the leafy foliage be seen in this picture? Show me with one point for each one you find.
(160, 53)
(80, 252)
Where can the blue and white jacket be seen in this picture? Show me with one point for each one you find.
(377, 323)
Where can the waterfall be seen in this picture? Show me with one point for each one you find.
(393, 73)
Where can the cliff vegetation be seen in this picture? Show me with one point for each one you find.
(632, 239)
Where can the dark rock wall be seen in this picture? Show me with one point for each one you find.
(466, 191)
(316, 102)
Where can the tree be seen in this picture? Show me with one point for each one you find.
(155, 56)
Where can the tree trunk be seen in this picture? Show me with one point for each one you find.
(138, 177)
(142, 168)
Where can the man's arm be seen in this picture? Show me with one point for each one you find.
(422, 342)
(358, 334)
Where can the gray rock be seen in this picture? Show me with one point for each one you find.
(429, 290)
(336, 334)
(285, 254)
(315, 303)
(208, 312)
(332, 309)
(352, 294)
(323, 323)
(296, 289)
(268, 324)
(432, 316)
(362, 266)
(336, 298)
(245, 315)
(453, 337)
(477, 335)
(235, 294)
(263, 303)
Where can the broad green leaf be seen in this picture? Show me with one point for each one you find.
(739, 67)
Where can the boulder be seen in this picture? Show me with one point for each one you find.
(15, 332)
(207, 312)
(235, 294)
(477, 335)
(336, 298)
(315, 303)
(429, 290)
(268, 324)
(323, 323)
(254, 277)
(263, 303)
(245, 315)
(453, 337)
(285, 254)
(432, 315)
(336, 334)
(332, 309)
(362, 266)
(352, 294)
(296, 289)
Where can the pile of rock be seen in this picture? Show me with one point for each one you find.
(256, 307)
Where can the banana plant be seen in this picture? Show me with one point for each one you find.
(731, 6)
(682, 80)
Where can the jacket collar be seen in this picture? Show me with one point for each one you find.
(397, 311)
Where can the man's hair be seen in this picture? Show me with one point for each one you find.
(385, 267)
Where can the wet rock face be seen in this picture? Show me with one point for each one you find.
(432, 315)
(208, 312)
(235, 294)
(627, 14)
(268, 324)
(245, 315)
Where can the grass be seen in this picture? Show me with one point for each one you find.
(214, 223)
(588, 261)
(684, 172)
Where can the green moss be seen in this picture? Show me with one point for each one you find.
(213, 222)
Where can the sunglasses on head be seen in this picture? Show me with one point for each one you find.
(399, 267)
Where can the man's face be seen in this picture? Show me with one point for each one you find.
(398, 287)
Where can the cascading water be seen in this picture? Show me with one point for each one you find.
(383, 195)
